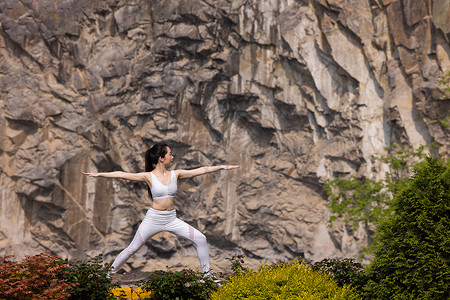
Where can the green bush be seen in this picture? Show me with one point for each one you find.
(412, 257)
(367, 202)
(292, 280)
(185, 284)
(237, 264)
(91, 279)
(344, 271)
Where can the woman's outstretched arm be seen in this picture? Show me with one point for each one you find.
(120, 175)
(203, 170)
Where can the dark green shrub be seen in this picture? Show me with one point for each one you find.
(293, 280)
(412, 258)
(344, 271)
(185, 284)
(237, 264)
(91, 278)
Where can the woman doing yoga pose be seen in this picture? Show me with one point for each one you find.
(162, 187)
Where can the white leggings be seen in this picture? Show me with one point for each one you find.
(156, 221)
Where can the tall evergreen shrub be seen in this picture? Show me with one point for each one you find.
(412, 258)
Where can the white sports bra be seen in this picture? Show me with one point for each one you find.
(161, 191)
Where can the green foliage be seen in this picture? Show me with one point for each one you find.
(401, 162)
(237, 262)
(412, 258)
(36, 277)
(344, 271)
(357, 200)
(445, 81)
(366, 200)
(293, 280)
(91, 278)
(184, 284)
(444, 122)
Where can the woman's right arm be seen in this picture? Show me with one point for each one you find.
(121, 175)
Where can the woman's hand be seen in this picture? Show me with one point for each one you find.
(230, 167)
(203, 170)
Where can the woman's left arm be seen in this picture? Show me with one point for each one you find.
(202, 171)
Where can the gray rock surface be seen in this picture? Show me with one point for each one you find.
(296, 92)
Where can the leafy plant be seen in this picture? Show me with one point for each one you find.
(90, 279)
(237, 262)
(357, 200)
(368, 201)
(36, 277)
(412, 258)
(344, 271)
(445, 81)
(184, 284)
(292, 280)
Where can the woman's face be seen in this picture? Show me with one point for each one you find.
(168, 158)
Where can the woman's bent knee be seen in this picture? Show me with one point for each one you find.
(200, 238)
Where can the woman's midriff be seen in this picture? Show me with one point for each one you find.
(163, 204)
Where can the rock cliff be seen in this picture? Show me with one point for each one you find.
(296, 92)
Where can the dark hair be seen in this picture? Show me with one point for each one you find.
(151, 158)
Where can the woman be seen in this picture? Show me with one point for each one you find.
(162, 187)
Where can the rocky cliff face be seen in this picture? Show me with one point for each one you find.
(295, 92)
